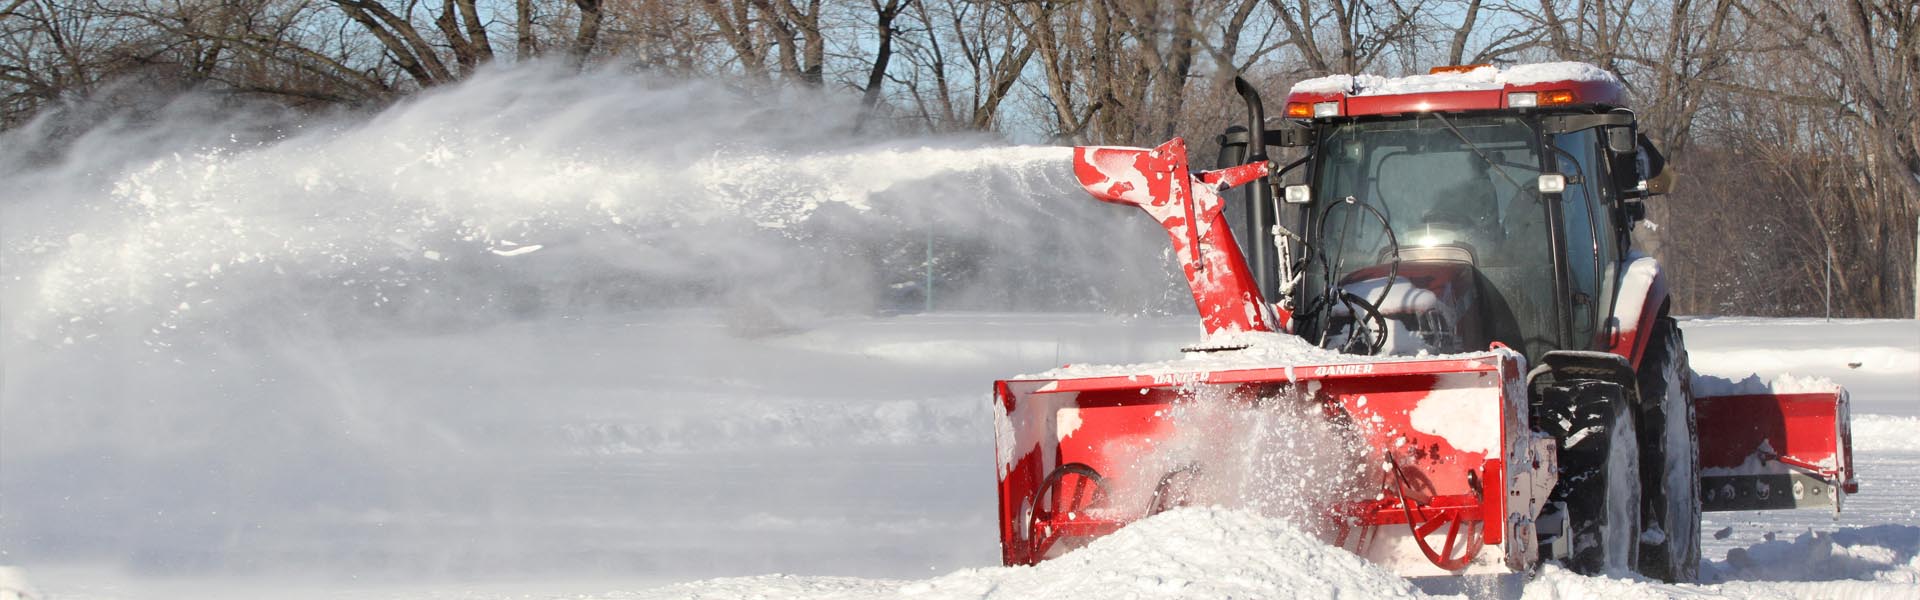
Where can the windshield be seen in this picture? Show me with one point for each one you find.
(1460, 190)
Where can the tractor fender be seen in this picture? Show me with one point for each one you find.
(1568, 366)
(1642, 299)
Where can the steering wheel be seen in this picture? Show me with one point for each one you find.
(1354, 303)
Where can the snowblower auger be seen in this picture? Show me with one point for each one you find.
(1493, 368)
(1435, 433)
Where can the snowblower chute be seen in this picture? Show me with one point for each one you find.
(1494, 374)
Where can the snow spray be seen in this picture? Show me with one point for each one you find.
(1279, 455)
(225, 331)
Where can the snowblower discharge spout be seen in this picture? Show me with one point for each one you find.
(1191, 210)
(1458, 310)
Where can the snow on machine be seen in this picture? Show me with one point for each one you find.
(1459, 304)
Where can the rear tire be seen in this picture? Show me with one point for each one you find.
(1599, 476)
(1670, 458)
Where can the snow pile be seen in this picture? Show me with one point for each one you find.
(1710, 385)
(1870, 562)
(1851, 360)
(1555, 582)
(1183, 553)
(1883, 553)
(1483, 78)
(1263, 350)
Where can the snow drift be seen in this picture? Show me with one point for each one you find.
(1182, 553)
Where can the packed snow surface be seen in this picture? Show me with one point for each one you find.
(548, 335)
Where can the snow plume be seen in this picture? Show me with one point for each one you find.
(241, 339)
(533, 190)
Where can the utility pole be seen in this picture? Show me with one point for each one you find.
(1829, 283)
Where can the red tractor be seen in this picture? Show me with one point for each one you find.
(1461, 311)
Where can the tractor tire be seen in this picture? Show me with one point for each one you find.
(1669, 458)
(1599, 475)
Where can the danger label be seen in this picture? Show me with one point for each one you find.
(1359, 369)
(1176, 378)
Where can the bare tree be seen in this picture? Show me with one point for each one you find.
(1346, 36)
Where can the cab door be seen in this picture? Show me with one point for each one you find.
(1588, 245)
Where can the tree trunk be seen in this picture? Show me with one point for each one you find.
(524, 45)
(589, 33)
(877, 76)
(476, 31)
(1456, 52)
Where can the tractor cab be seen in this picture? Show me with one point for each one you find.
(1446, 212)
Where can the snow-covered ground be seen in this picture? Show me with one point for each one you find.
(608, 457)
(552, 335)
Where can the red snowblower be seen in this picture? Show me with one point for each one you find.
(1459, 306)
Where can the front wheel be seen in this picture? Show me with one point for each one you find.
(1599, 476)
(1670, 453)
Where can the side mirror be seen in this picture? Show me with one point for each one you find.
(1299, 193)
(1623, 160)
(1553, 183)
(1620, 140)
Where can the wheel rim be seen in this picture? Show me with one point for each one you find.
(1073, 479)
(1456, 551)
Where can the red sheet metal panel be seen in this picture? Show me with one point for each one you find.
(1426, 102)
(1753, 447)
(1803, 430)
